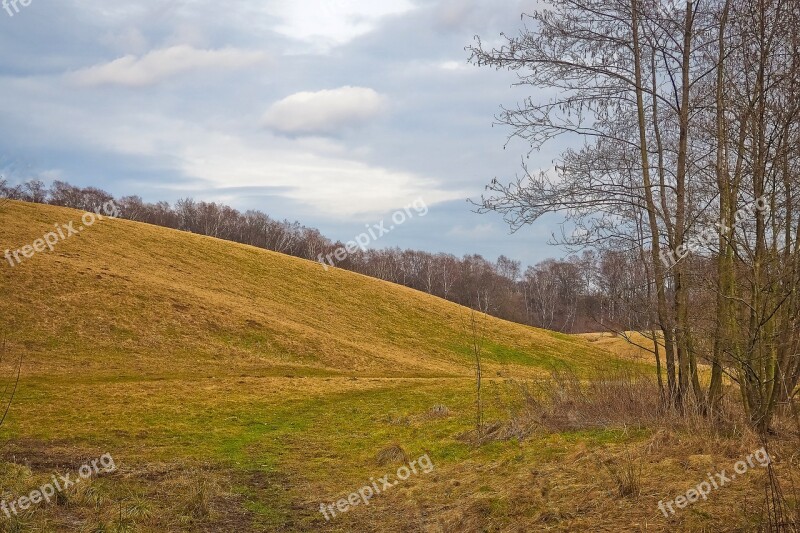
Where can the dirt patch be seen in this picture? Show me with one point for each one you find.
(47, 456)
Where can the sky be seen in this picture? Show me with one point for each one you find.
(334, 113)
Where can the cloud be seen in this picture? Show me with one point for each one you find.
(453, 13)
(159, 65)
(328, 23)
(434, 138)
(479, 16)
(324, 112)
(479, 231)
(338, 187)
(454, 65)
(204, 158)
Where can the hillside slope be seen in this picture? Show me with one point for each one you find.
(130, 299)
(241, 390)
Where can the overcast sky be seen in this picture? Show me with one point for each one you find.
(331, 112)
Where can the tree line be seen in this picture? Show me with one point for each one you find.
(583, 293)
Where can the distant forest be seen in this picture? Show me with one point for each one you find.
(598, 290)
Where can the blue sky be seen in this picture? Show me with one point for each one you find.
(335, 113)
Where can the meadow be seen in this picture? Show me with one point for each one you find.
(239, 389)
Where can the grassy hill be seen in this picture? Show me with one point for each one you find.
(238, 389)
(129, 299)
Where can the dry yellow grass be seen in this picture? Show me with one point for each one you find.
(238, 389)
(633, 345)
(125, 298)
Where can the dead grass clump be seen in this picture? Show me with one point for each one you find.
(396, 420)
(489, 432)
(626, 474)
(439, 411)
(566, 403)
(394, 454)
(780, 509)
(14, 524)
(195, 493)
(197, 503)
(474, 515)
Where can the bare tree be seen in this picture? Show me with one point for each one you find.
(687, 114)
(4, 199)
(35, 191)
(477, 337)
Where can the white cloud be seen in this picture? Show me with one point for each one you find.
(161, 64)
(317, 175)
(324, 112)
(480, 231)
(327, 23)
(333, 185)
(454, 65)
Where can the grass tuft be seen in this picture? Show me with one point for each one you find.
(394, 454)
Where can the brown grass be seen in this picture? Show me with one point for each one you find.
(631, 345)
(622, 399)
(394, 454)
(439, 411)
(626, 473)
(219, 375)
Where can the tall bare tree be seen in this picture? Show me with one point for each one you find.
(686, 113)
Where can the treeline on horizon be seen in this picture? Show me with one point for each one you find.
(592, 292)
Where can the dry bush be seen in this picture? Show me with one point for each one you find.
(778, 512)
(624, 399)
(490, 432)
(626, 474)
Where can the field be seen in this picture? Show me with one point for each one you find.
(239, 389)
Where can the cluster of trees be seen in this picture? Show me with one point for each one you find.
(577, 294)
(688, 113)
